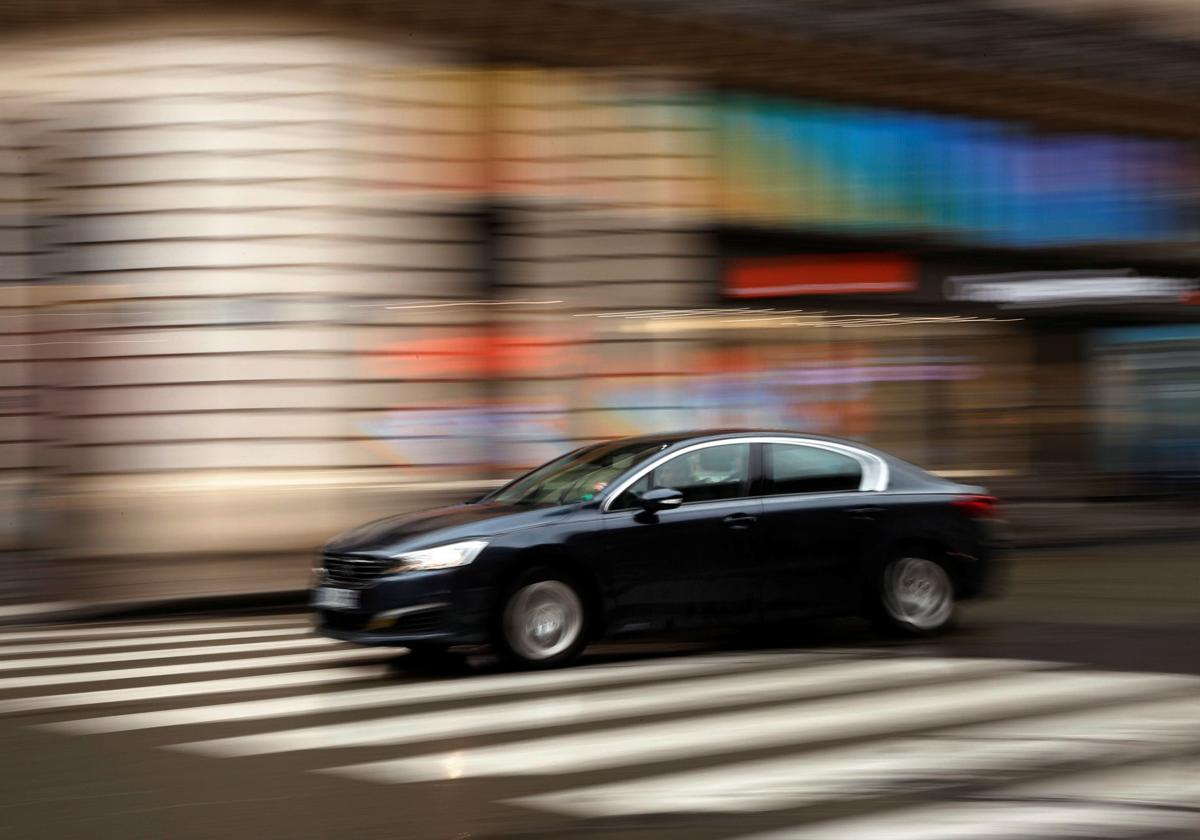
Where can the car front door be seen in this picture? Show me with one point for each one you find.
(818, 520)
(692, 564)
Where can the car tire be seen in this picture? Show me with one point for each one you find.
(914, 595)
(542, 621)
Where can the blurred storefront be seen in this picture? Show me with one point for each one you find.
(271, 278)
(1020, 354)
(833, 240)
(1147, 391)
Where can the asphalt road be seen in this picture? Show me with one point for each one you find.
(1070, 707)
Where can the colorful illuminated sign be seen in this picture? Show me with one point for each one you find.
(864, 170)
(629, 144)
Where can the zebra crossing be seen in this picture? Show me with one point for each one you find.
(886, 743)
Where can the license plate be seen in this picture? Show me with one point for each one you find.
(335, 599)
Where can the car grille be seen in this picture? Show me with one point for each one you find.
(355, 572)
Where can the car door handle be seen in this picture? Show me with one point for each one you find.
(865, 512)
(739, 521)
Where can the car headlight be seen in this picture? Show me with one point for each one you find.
(440, 556)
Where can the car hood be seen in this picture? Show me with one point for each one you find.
(440, 525)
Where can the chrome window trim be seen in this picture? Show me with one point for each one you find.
(874, 473)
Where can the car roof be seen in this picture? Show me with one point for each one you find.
(702, 435)
(898, 466)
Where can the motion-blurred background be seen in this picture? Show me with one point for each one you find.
(273, 269)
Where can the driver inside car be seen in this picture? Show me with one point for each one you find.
(676, 474)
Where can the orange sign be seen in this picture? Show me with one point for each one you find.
(478, 353)
(821, 274)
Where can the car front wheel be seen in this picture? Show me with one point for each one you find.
(543, 622)
(915, 596)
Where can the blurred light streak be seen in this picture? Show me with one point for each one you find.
(474, 303)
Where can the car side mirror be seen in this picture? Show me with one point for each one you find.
(664, 498)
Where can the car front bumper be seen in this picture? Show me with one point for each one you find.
(417, 607)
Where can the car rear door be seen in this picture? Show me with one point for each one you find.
(818, 519)
(694, 564)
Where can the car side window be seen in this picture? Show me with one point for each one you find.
(794, 468)
(702, 475)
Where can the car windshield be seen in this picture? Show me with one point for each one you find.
(576, 477)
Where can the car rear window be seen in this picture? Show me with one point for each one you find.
(796, 468)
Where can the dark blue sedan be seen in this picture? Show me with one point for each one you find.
(663, 532)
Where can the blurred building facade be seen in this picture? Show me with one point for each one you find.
(266, 276)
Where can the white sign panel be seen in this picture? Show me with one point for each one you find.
(1066, 288)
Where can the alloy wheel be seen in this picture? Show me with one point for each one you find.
(543, 619)
(918, 593)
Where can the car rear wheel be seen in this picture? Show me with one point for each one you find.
(915, 596)
(543, 622)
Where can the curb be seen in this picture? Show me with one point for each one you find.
(1178, 535)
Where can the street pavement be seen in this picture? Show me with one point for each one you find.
(1070, 707)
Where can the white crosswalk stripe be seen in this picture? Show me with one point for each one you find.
(1125, 733)
(59, 632)
(189, 668)
(686, 695)
(187, 638)
(1126, 803)
(390, 697)
(172, 653)
(877, 714)
(1015, 749)
(1163, 784)
(995, 821)
(319, 676)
